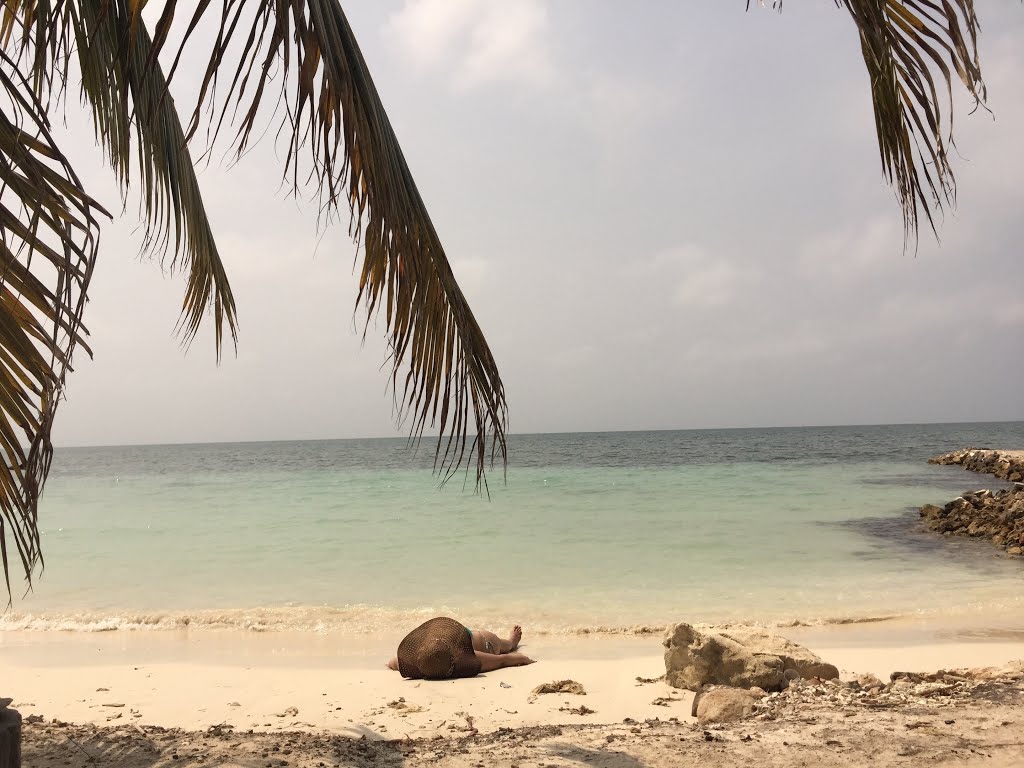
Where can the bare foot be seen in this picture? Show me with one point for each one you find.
(393, 664)
(515, 636)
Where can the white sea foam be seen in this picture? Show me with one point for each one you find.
(368, 620)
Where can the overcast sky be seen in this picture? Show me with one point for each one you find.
(668, 218)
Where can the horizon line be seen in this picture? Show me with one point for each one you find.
(415, 441)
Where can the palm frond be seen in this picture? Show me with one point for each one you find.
(48, 242)
(301, 57)
(912, 49)
(125, 85)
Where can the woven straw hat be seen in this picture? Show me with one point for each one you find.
(438, 649)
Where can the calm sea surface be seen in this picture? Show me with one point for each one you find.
(590, 531)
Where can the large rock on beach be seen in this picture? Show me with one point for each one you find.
(763, 643)
(725, 705)
(694, 659)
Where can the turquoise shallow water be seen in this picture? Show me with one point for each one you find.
(589, 531)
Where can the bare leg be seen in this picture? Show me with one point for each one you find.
(492, 661)
(488, 642)
(488, 661)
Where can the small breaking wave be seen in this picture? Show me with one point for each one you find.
(358, 620)
(839, 621)
(353, 619)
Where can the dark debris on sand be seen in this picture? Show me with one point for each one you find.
(965, 717)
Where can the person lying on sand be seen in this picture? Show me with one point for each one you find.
(442, 648)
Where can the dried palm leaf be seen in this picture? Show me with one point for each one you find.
(125, 86)
(340, 140)
(299, 58)
(48, 242)
(128, 94)
(910, 48)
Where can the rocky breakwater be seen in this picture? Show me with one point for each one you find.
(997, 516)
(1006, 465)
(984, 514)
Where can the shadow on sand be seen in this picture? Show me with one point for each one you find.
(57, 745)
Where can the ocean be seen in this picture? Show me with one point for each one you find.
(591, 532)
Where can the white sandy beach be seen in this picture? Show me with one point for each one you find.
(279, 681)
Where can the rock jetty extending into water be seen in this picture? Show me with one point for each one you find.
(997, 516)
(1006, 465)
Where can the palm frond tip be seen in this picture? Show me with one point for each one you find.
(910, 49)
(301, 56)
